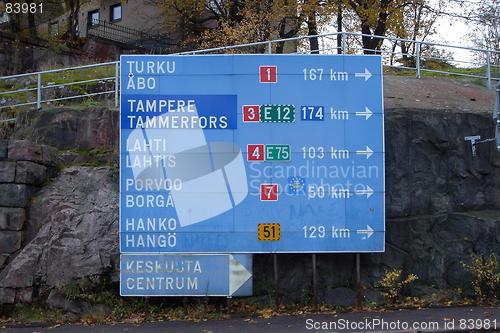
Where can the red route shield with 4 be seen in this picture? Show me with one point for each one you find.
(255, 152)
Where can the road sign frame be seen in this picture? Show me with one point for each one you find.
(304, 251)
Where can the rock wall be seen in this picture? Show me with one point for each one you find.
(19, 54)
(67, 128)
(76, 218)
(442, 206)
(24, 167)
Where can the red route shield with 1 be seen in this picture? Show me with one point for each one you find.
(268, 74)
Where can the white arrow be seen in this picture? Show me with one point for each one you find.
(238, 275)
(366, 74)
(368, 152)
(368, 192)
(368, 232)
(367, 113)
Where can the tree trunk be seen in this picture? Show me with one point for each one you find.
(31, 21)
(404, 50)
(392, 53)
(339, 29)
(312, 27)
(371, 44)
(73, 18)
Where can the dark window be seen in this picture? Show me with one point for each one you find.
(94, 17)
(115, 12)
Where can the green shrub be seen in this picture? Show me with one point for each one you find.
(392, 284)
(486, 278)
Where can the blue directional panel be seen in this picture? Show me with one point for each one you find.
(215, 149)
(185, 275)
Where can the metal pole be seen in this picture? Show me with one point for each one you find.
(276, 282)
(488, 68)
(229, 304)
(39, 92)
(496, 116)
(314, 283)
(146, 306)
(269, 47)
(117, 83)
(185, 305)
(359, 298)
(417, 58)
(344, 41)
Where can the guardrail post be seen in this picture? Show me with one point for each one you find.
(39, 91)
(488, 68)
(417, 59)
(269, 47)
(117, 82)
(343, 38)
(496, 116)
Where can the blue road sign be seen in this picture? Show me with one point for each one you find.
(185, 275)
(251, 154)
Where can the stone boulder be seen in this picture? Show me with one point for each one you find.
(74, 227)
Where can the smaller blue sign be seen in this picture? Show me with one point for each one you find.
(186, 275)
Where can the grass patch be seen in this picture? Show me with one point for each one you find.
(95, 157)
(32, 314)
(54, 79)
(79, 75)
(454, 72)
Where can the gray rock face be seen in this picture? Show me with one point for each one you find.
(429, 165)
(27, 150)
(341, 297)
(75, 226)
(7, 295)
(30, 173)
(7, 171)
(58, 301)
(14, 195)
(3, 260)
(24, 150)
(69, 128)
(12, 218)
(10, 241)
(3, 149)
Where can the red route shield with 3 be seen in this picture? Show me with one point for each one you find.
(251, 113)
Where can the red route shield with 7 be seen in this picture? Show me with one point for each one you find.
(269, 192)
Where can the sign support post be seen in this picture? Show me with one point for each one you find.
(276, 282)
(359, 296)
(314, 283)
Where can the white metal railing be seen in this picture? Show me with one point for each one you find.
(424, 53)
